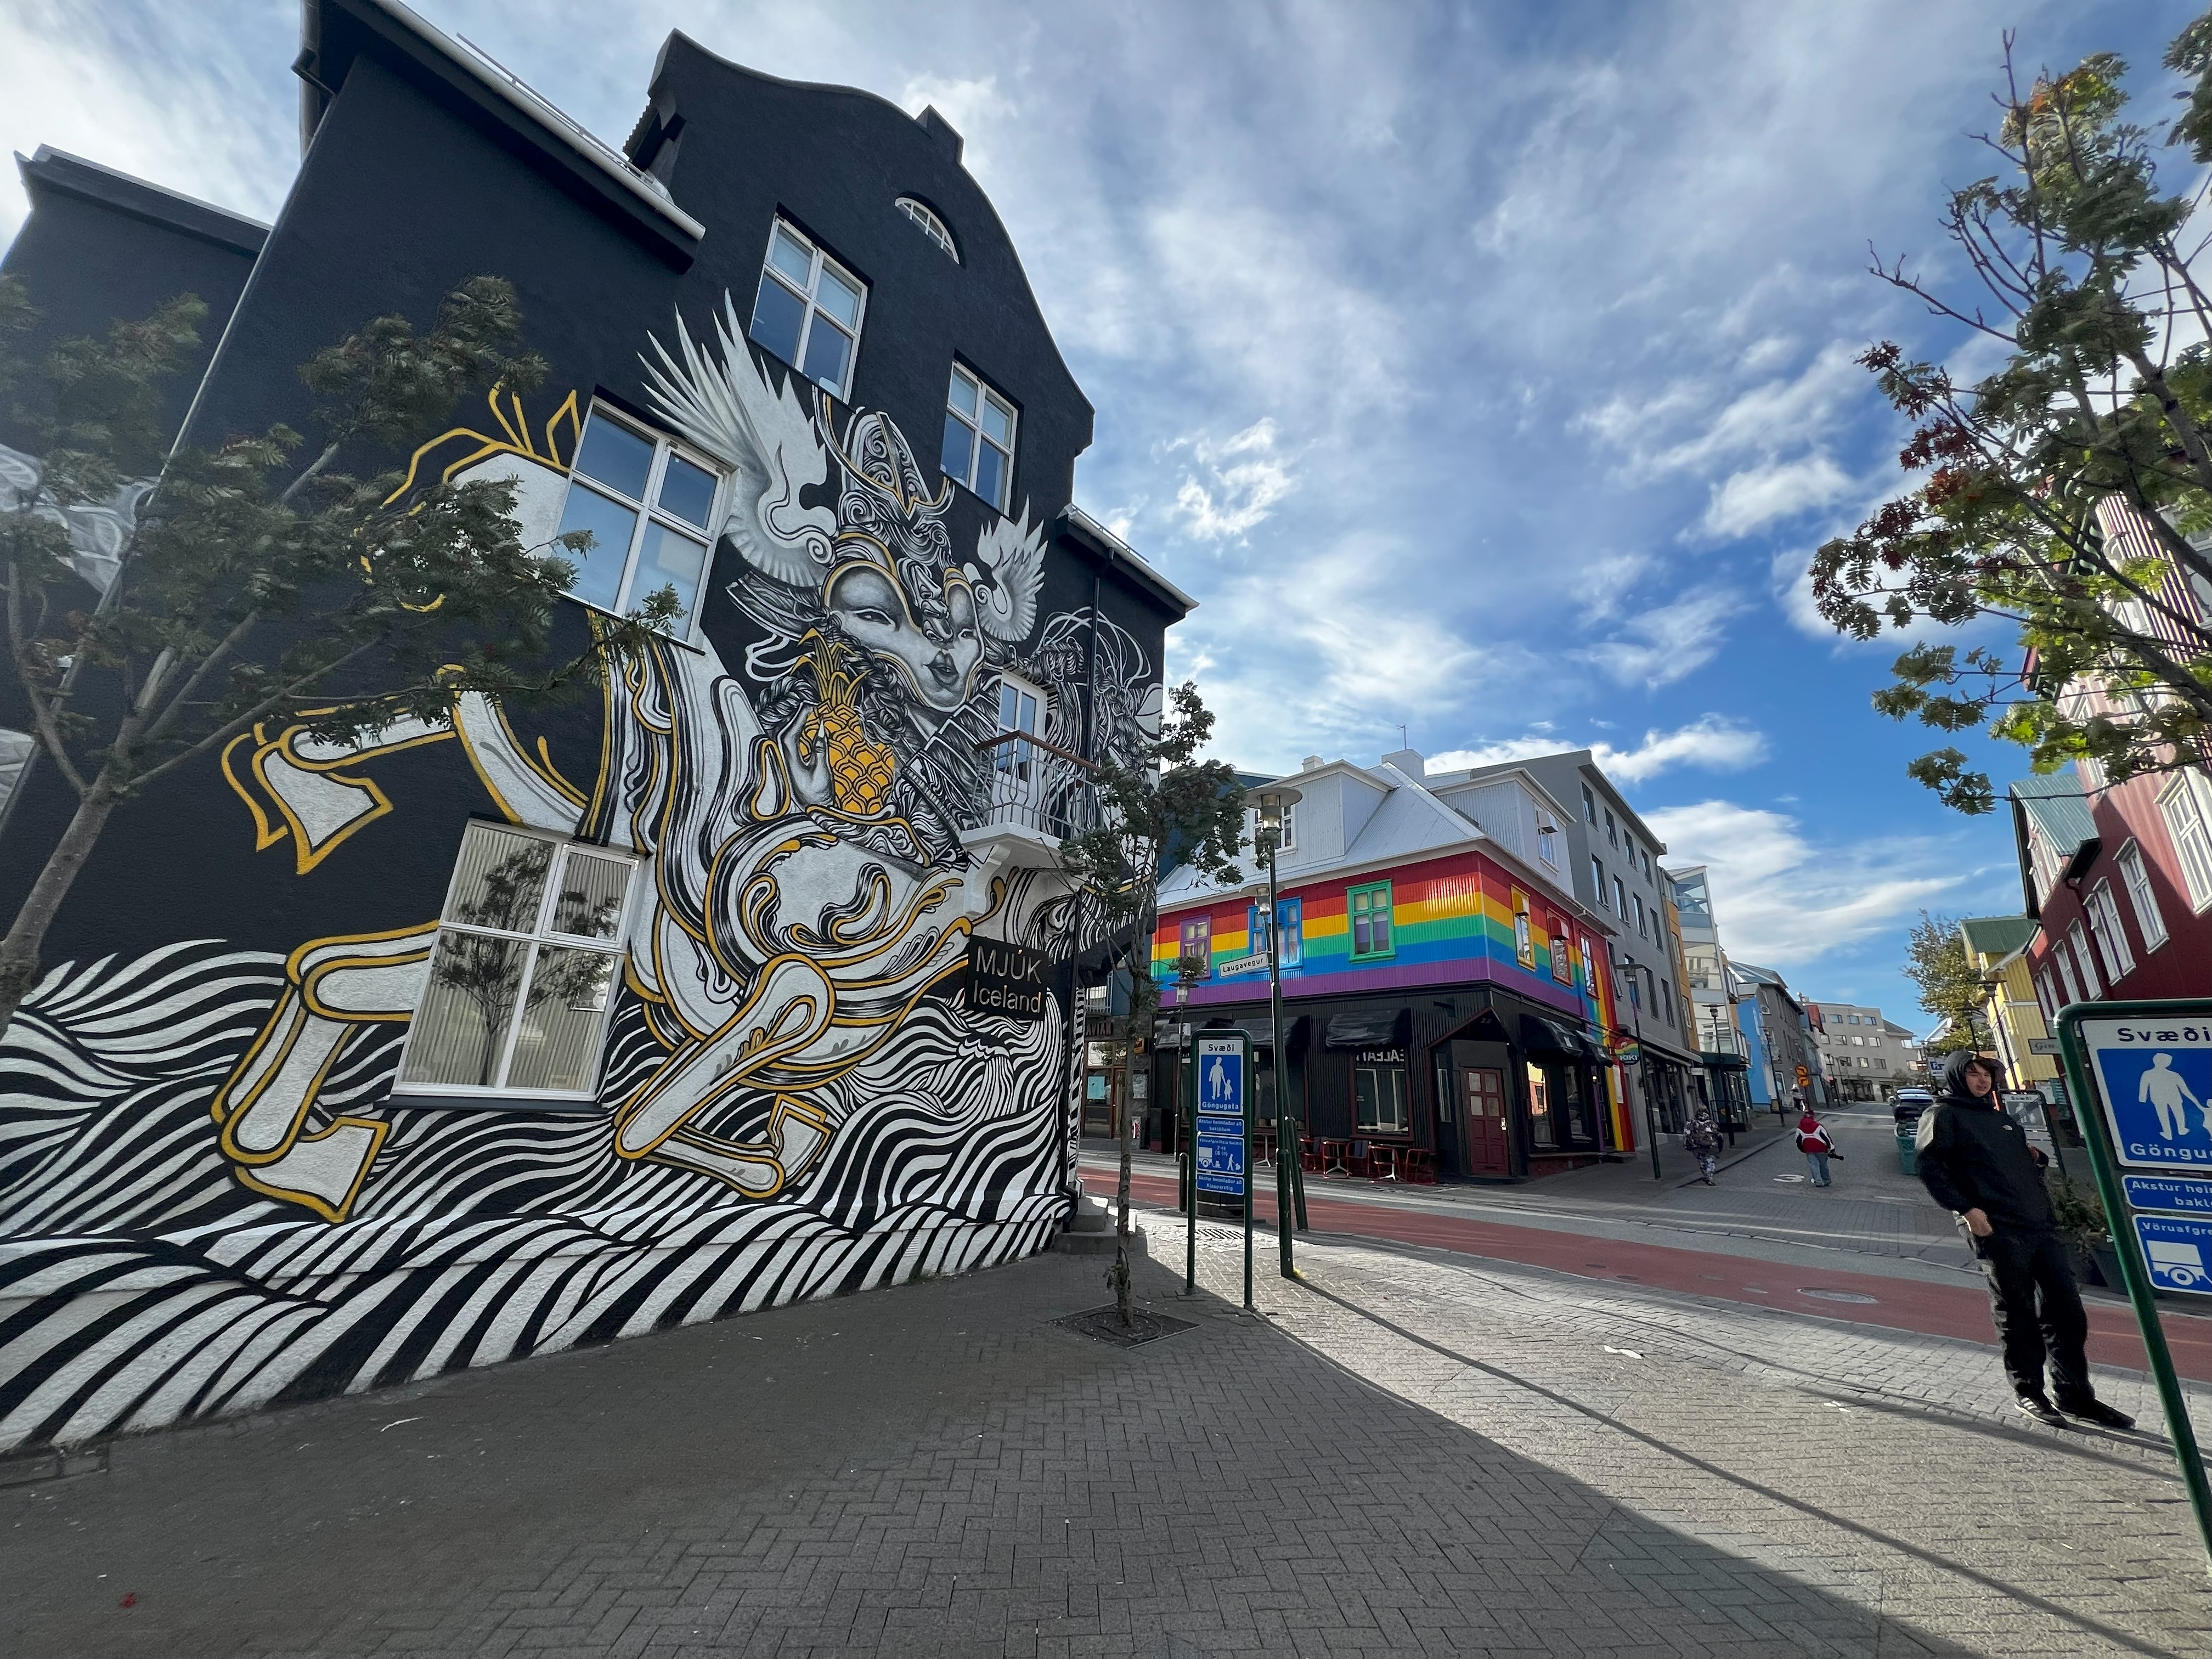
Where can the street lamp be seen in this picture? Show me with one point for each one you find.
(1275, 801)
(1623, 966)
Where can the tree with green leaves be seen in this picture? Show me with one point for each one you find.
(2088, 278)
(254, 581)
(1951, 987)
(1164, 803)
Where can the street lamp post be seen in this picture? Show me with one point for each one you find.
(1275, 801)
(1636, 1016)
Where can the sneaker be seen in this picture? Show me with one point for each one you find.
(2102, 1415)
(2035, 1406)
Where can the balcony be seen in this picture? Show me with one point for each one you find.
(1040, 795)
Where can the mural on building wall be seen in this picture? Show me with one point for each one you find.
(760, 893)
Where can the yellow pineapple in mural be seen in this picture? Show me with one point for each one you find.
(860, 769)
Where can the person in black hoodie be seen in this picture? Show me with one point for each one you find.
(1977, 1163)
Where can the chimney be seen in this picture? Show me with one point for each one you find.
(1311, 763)
(1409, 761)
(942, 130)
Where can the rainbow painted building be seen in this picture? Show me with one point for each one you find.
(1444, 992)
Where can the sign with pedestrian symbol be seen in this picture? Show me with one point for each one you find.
(2155, 1079)
(1220, 1066)
(2180, 1251)
(2139, 1078)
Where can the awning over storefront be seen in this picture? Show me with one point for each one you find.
(1261, 1028)
(1375, 1027)
(1553, 1040)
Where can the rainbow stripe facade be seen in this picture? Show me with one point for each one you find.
(1451, 922)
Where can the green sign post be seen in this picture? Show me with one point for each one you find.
(2133, 1072)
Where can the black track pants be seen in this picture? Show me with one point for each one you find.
(2032, 1296)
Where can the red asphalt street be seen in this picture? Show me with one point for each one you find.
(1962, 1311)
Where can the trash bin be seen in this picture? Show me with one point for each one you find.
(1907, 1158)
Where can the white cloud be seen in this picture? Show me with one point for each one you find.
(1712, 742)
(172, 94)
(1659, 646)
(1781, 901)
(1758, 496)
(1235, 497)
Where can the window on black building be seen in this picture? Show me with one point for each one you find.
(978, 438)
(808, 311)
(529, 948)
(650, 508)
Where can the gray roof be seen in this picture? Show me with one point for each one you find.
(2058, 808)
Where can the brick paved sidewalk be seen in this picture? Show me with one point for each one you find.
(1414, 1455)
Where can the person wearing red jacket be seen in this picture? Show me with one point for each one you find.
(1818, 1145)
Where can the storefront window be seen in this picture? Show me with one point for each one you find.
(1543, 1129)
(1379, 1091)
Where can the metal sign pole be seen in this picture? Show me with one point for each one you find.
(2090, 1116)
(1288, 1138)
(1251, 1115)
(1190, 1169)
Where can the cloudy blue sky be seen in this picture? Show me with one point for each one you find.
(1483, 370)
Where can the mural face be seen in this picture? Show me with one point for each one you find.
(772, 892)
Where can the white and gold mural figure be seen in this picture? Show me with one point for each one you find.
(792, 1098)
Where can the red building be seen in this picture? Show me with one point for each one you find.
(2119, 875)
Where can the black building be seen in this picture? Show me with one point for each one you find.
(724, 908)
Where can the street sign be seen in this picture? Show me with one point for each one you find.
(1221, 1076)
(2180, 1251)
(2155, 1079)
(2176, 1195)
(2043, 1045)
(2135, 1070)
(1219, 1080)
(1221, 1155)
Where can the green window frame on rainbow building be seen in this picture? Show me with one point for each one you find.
(1367, 916)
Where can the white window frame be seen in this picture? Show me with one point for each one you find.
(2106, 927)
(541, 933)
(1547, 838)
(1018, 760)
(2084, 958)
(2143, 897)
(931, 226)
(985, 393)
(2043, 859)
(2184, 805)
(2062, 959)
(818, 260)
(686, 628)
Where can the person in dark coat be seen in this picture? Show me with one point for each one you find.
(1979, 1164)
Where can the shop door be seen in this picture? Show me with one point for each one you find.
(1482, 1121)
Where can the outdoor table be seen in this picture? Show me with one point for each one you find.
(1336, 1157)
(1383, 1161)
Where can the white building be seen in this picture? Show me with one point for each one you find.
(1863, 1055)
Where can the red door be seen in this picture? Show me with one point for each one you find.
(1483, 1092)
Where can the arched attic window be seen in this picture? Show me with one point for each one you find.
(931, 226)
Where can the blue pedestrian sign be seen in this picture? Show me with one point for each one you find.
(2179, 1252)
(1221, 1077)
(2155, 1077)
(2177, 1195)
(1219, 1163)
